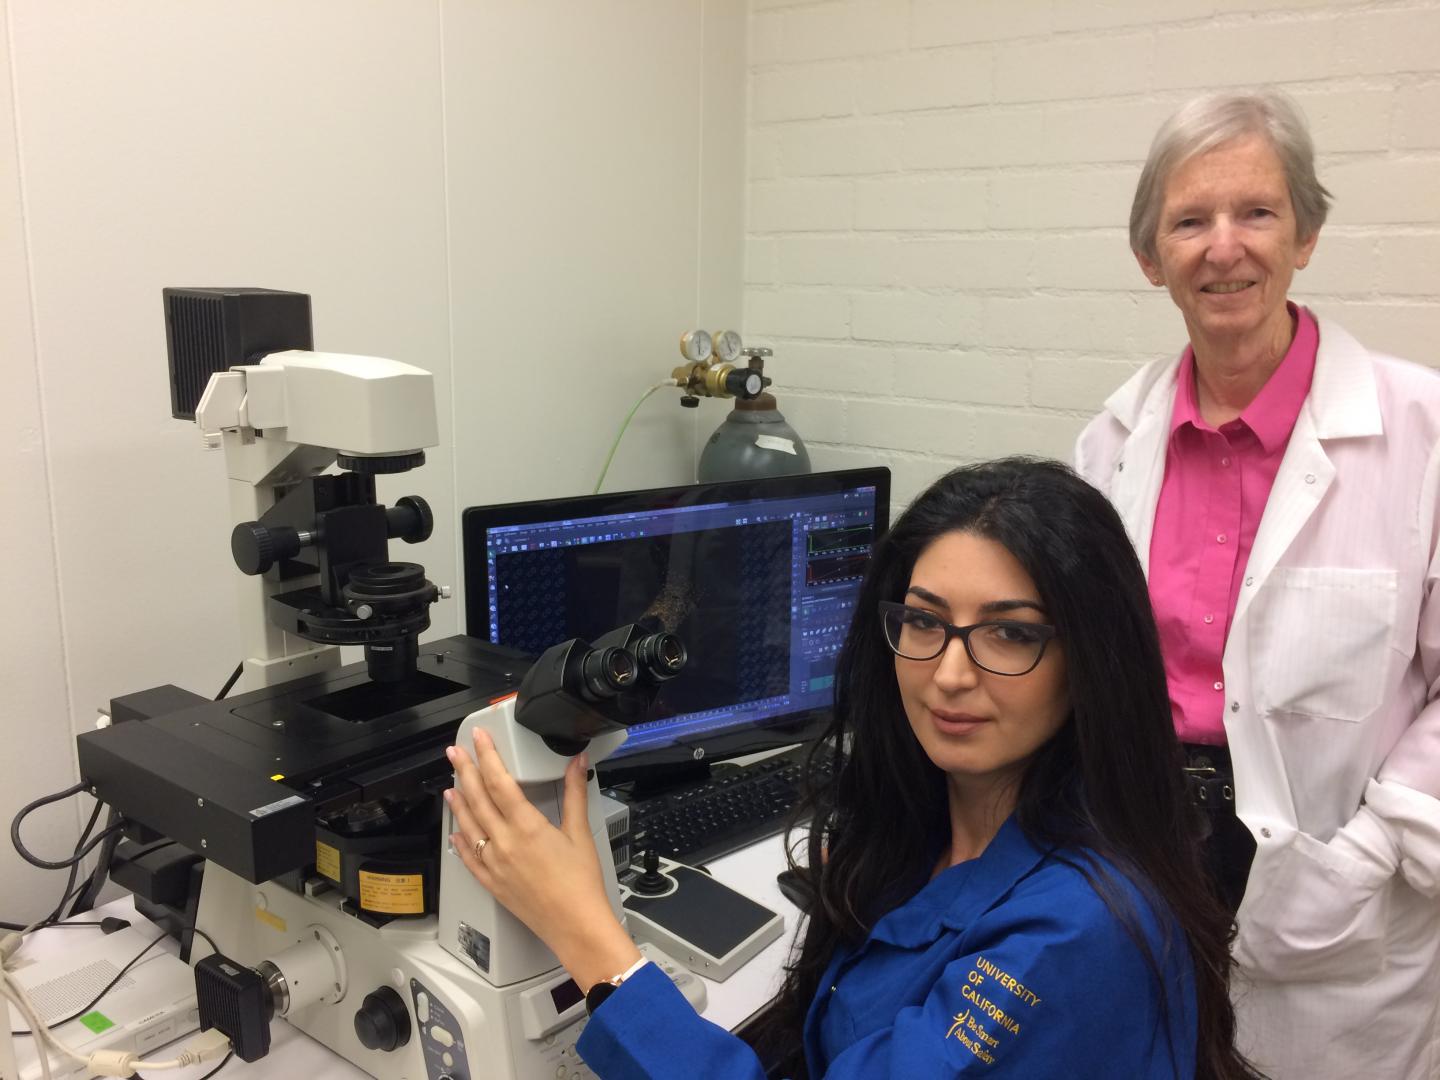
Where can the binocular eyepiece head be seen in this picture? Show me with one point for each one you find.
(660, 654)
(578, 690)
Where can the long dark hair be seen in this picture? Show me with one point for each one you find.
(1110, 781)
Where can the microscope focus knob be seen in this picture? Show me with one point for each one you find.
(257, 547)
(382, 1022)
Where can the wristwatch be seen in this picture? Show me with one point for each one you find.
(596, 995)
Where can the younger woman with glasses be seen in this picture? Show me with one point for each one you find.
(1005, 861)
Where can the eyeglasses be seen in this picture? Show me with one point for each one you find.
(1001, 647)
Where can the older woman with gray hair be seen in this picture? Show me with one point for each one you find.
(1281, 483)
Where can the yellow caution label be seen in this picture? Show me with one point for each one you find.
(392, 894)
(270, 919)
(327, 861)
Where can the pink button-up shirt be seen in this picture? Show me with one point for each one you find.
(1214, 491)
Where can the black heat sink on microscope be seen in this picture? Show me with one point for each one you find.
(212, 330)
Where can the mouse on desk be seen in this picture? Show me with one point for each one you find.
(795, 886)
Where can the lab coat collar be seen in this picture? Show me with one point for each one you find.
(960, 894)
(1145, 392)
(1343, 400)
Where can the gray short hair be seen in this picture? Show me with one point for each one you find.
(1206, 122)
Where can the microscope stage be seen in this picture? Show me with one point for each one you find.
(241, 780)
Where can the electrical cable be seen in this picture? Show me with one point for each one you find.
(86, 900)
(65, 864)
(111, 984)
(75, 867)
(230, 682)
(96, 999)
(629, 416)
(207, 1046)
(31, 807)
(70, 890)
(223, 1062)
(66, 925)
(60, 864)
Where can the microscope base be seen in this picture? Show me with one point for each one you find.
(461, 1026)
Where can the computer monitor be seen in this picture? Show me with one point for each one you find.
(757, 577)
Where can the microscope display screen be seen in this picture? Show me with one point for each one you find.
(758, 578)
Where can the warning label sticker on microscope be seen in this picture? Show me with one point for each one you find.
(392, 894)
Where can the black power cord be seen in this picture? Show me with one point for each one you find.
(230, 682)
(86, 900)
(58, 864)
(70, 890)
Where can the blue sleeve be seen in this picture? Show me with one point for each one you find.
(1046, 985)
(646, 1030)
(1043, 988)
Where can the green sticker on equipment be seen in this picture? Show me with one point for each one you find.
(97, 1022)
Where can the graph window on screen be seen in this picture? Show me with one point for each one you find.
(758, 578)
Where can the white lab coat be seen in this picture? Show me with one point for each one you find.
(1332, 711)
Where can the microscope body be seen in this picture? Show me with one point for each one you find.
(474, 926)
(357, 946)
(487, 997)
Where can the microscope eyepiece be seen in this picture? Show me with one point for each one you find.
(662, 655)
(608, 671)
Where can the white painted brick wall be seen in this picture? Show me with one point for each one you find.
(938, 193)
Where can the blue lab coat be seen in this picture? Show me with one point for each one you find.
(1007, 965)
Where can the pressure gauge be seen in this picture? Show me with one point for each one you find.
(696, 346)
(728, 346)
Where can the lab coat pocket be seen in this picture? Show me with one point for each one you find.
(1321, 638)
(1311, 913)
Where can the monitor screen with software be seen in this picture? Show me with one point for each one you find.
(757, 577)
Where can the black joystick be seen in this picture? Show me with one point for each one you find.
(651, 882)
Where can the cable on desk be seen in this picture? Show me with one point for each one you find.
(207, 1046)
(108, 987)
(109, 925)
(111, 984)
(223, 1062)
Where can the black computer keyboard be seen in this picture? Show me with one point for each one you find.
(735, 806)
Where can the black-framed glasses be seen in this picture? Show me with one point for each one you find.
(1000, 646)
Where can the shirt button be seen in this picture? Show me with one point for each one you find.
(1220, 539)
(1219, 686)
(1234, 706)
(1209, 619)
(1265, 833)
(1249, 581)
(1120, 467)
(1225, 462)
(1309, 478)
